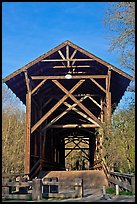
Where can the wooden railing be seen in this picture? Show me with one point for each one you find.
(15, 189)
(38, 188)
(124, 181)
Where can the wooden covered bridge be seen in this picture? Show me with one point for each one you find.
(68, 93)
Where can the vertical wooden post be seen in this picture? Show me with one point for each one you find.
(117, 189)
(104, 190)
(28, 133)
(67, 55)
(36, 189)
(79, 187)
(101, 115)
(108, 104)
(133, 184)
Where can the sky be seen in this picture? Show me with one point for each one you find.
(30, 29)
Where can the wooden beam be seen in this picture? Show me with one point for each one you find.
(73, 54)
(28, 133)
(101, 114)
(77, 102)
(62, 114)
(75, 126)
(61, 54)
(27, 81)
(81, 149)
(67, 55)
(76, 66)
(95, 82)
(109, 78)
(108, 100)
(39, 59)
(84, 148)
(38, 86)
(94, 101)
(55, 107)
(72, 149)
(81, 113)
(73, 77)
(101, 61)
(65, 60)
(73, 63)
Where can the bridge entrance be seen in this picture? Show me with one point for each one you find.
(68, 93)
(79, 150)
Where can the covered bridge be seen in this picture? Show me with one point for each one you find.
(68, 93)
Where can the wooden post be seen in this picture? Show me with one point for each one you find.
(117, 189)
(28, 133)
(133, 184)
(5, 190)
(104, 190)
(79, 187)
(36, 189)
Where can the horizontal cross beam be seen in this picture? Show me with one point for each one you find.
(72, 66)
(73, 77)
(65, 60)
(75, 126)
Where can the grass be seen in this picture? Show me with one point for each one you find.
(113, 191)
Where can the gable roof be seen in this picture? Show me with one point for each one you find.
(67, 42)
(16, 81)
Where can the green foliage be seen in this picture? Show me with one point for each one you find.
(122, 192)
(120, 145)
(110, 191)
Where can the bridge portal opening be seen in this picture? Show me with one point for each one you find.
(62, 112)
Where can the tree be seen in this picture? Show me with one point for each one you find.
(13, 132)
(120, 19)
(119, 148)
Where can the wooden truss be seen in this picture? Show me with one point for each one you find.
(93, 121)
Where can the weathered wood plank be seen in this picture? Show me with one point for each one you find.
(121, 183)
(16, 183)
(18, 196)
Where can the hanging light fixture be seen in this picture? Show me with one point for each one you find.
(68, 75)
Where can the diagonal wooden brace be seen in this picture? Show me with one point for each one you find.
(77, 102)
(62, 114)
(55, 107)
